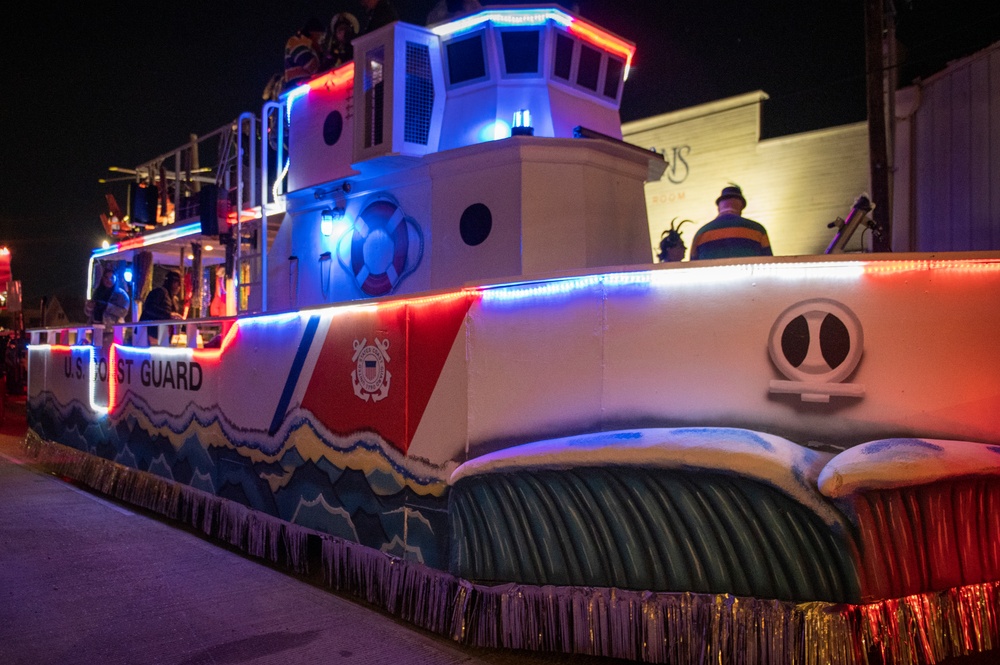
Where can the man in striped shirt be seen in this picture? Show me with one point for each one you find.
(729, 235)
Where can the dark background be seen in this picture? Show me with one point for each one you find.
(100, 84)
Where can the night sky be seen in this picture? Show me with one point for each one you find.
(101, 84)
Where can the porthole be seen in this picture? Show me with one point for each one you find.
(476, 224)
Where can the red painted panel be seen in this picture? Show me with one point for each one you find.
(434, 326)
(379, 366)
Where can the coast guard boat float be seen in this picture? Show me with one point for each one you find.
(428, 351)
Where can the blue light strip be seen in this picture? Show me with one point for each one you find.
(149, 239)
(90, 278)
(687, 276)
(94, 406)
(503, 18)
(292, 95)
(92, 352)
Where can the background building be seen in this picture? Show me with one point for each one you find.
(946, 170)
(795, 185)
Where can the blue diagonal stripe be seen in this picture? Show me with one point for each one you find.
(293, 374)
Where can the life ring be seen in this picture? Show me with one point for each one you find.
(379, 247)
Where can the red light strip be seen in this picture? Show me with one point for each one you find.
(604, 40)
(407, 302)
(112, 377)
(960, 265)
(131, 243)
(341, 77)
(196, 354)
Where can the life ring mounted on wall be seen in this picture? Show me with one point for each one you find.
(385, 246)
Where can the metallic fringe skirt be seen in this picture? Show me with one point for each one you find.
(654, 627)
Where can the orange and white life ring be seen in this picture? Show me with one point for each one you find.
(379, 247)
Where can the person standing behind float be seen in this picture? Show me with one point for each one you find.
(109, 303)
(378, 13)
(336, 44)
(730, 235)
(302, 54)
(161, 303)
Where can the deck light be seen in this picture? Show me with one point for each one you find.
(522, 124)
(328, 217)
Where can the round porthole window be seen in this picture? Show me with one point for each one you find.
(476, 224)
(333, 127)
(816, 341)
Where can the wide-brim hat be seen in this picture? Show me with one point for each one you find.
(345, 17)
(731, 192)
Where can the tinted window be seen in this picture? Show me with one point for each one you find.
(520, 51)
(564, 56)
(590, 67)
(613, 77)
(465, 60)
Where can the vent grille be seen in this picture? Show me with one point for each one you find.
(419, 94)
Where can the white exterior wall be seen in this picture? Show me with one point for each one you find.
(946, 185)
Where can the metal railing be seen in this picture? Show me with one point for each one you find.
(195, 334)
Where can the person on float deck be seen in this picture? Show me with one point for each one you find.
(109, 303)
(302, 54)
(730, 235)
(335, 46)
(161, 303)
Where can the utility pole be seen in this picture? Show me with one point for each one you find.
(877, 145)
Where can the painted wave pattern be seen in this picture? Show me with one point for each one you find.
(640, 528)
(354, 488)
(679, 511)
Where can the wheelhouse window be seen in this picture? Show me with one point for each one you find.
(589, 68)
(579, 64)
(520, 51)
(466, 59)
(563, 66)
(613, 77)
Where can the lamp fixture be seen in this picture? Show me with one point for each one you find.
(328, 217)
(522, 124)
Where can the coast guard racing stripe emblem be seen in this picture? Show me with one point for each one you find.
(370, 377)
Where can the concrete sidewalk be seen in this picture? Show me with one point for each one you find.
(84, 579)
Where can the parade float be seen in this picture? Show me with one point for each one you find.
(428, 353)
